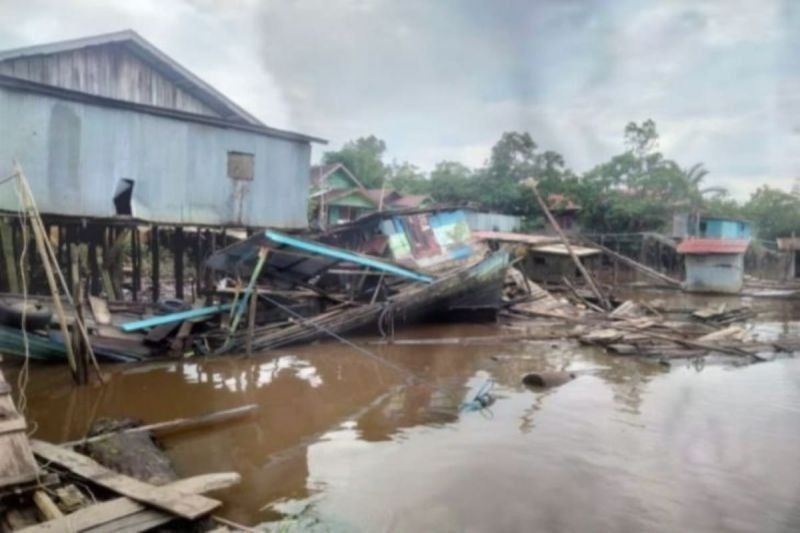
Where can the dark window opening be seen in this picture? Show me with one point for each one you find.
(123, 196)
(797, 264)
(241, 165)
(537, 260)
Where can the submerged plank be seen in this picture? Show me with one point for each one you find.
(185, 505)
(177, 424)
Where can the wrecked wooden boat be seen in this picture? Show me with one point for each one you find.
(384, 269)
(449, 293)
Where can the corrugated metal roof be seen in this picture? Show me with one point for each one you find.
(18, 84)
(713, 246)
(129, 38)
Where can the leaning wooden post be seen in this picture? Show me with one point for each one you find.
(604, 303)
(30, 207)
(52, 265)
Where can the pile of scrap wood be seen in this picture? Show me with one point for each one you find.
(639, 329)
(275, 289)
(723, 315)
(68, 491)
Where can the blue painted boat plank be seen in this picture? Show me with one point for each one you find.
(174, 317)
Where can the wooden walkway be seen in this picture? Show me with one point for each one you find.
(17, 464)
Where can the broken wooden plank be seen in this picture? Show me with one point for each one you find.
(11, 425)
(17, 464)
(177, 424)
(106, 516)
(179, 341)
(100, 310)
(46, 506)
(164, 498)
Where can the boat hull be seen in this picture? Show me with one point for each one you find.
(477, 286)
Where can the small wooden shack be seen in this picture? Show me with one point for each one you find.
(552, 263)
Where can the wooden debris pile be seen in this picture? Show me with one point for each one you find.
(68, 491)
(640, 329)
(524, 298)
(722, 315)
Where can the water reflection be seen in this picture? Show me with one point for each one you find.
(339, 439)
(253, 376)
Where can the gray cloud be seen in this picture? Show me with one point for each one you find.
(444, 79)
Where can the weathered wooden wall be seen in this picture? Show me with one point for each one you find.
(76, 156)
(111, 70)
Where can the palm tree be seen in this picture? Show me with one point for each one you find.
(694, 176)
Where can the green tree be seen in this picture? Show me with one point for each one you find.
(454, 183)
(721, 204)
(638, 189)
(513, 158)
(408, 178)
(774, 213)
(364, 158)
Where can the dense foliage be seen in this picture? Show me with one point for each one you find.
(636, 190)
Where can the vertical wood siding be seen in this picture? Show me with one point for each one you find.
(110, 70)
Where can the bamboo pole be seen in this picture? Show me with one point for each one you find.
(178, 424)
(262, 258)
(30, 207)
(638, 266)
(51, 268)
(531, 184)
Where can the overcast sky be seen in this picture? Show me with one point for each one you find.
(443, 79)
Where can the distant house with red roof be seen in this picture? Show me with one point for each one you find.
(714, 255)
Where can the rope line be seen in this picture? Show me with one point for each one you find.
(480, 402)
(364, 351)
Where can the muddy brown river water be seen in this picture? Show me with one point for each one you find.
(341, 443)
